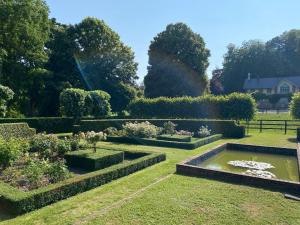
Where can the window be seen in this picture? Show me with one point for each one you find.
(284, 89)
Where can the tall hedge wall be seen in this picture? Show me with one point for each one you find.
(47, 124)
(226, 127)
(235, 106)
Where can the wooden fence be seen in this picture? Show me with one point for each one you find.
(283, 125)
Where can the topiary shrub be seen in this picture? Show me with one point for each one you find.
(169, 128)
(72, 102)
(97, 103)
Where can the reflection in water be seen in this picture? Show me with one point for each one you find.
(284, 167)
(251, 164)
(260, 173)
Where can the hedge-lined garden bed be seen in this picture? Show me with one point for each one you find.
(19, 201)
(227, 128)
(90, 160)
(195, 142)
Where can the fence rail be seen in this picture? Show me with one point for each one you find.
(284, 125)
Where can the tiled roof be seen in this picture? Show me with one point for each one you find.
(269, 82)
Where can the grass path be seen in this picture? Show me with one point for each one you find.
(153, 196)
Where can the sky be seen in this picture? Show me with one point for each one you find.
(219, 22)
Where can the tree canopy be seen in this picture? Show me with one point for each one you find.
(278, 57)
(178, 61)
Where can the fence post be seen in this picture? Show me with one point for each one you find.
(260, 126)
(285, 126)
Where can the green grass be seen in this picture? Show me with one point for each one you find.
(273, 116)
(158, 196)
(90, 154)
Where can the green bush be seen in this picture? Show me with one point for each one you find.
(234, 106)
(6, 94)
(16, 130)
(203, 132)
(45, 124)
(295, 106)
(97, 103)
(21, 202)
(169, 128)
(227, 128)
(77, 103)
(72, 102)
(90, 160)
(10, 150)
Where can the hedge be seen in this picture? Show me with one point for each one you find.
(20, 202)
(178, 138)
(89, 160)
(235, 106)
(298, 135)
(295, 106)
(227, 128)
(16, 130)
(45, 124)
(162, 143)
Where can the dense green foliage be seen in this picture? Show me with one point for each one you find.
(16, 130)
(178, 60)
(90, 160)
(78, 103)
(295, 106)
(234, 106)
(45, 124)
(10, 150)
(22, 202)
(227, 128)
(6, 94)
(175, 137)
(24, 30)
(278, 57)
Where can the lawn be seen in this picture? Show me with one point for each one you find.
(273, 116)
(158, 196)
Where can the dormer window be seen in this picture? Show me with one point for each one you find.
(284, 89)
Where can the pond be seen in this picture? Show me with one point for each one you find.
(283, 167)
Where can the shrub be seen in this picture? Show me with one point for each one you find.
(142, 130)
(43, 142)
(10, 150)
(185, 133)
(6, 94)
(295, 106)
(97, 103)
(111, 131)
(236, 106)
(169, 128)
(16, 130)
(45, 124)
(72, 102)
(78, 103)
(203, 132)
(58, 171)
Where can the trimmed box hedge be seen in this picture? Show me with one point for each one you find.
(45, 124)
(89, 160)
(298, 134)
(16, 130)
(228, 128)
(178, 138)
(20, 202)
(195, 143)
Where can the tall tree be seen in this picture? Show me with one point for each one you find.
(91, 55)
(178, 60)
(24, 29)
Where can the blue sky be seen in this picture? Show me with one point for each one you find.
(219, 22)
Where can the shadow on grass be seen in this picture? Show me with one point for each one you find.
(292, 140)
(5, 214)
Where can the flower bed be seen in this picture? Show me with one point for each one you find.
(20, 201)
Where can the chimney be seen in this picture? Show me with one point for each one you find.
(249, 76)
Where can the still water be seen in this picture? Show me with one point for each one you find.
(285, 167)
